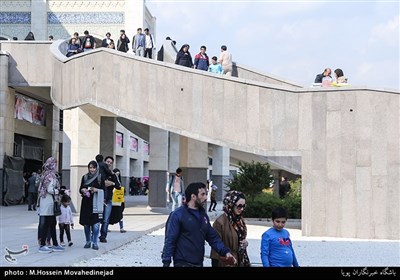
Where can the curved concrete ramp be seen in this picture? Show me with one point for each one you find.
(196, 104)
(348, 138)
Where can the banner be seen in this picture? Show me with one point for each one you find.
(119, 139)
(133, 143)
(29, 110)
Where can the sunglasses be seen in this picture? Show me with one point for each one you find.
(240, 206)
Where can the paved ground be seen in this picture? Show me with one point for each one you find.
(141, 245)
(18, 229)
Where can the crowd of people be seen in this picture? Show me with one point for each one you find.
(98, 210)
(201, 61)
(188, 227)
(143, 44)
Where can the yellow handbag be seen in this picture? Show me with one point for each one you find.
(118, 197)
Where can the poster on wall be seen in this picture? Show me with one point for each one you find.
(133, 144)
(29, 110)
(119, 139)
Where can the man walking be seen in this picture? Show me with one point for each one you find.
(138, 43)
(111, 182)
(149, 44)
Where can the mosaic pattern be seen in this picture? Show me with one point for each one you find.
(73, 5)
(15, 18)
(85, 18)
(15, 5)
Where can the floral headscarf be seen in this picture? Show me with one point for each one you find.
(237, 222)
(48, 174)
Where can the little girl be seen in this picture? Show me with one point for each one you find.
(65, 220)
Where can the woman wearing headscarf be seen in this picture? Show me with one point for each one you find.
(232, 229)
(117, 212)
(183, 57)
(89, 217)
(48, 192)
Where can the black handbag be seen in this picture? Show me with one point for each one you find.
(56, 207)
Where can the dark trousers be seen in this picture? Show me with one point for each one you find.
(46, 223)
(148, 53)
(32, 200)
(67, 229)
(213, 204)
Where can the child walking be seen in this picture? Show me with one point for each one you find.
(276, 246)
(65, 220)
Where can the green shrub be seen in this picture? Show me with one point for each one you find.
(253, 179)
(265, 202)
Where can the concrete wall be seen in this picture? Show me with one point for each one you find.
(348, 138)
(30, 63)
(246, 72)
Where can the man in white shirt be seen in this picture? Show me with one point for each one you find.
(225, 59)
(149, 44)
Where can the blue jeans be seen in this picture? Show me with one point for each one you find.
(176, 200)
(106, 219)
(92, 233)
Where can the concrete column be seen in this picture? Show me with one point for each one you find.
(153, 33)
(56, 136)
(108, 127)
(158, 166)
(193, 160)
(137, 166)
(173, 152)
(7, 100)
(220, 171)
(48, 145)
(66, 156)
(82, 128)
(122, 163)
(39, 19)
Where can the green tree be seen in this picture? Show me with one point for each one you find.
(251, 179)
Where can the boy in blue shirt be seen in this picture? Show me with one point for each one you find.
(215, 67)
(276, 246)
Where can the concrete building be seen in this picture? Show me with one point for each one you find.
(61, 18)
(348, 156)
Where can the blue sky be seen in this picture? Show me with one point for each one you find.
(294, 40)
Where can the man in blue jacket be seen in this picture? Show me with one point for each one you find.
(186, 230)
(201, 60)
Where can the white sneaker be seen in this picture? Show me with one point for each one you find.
(45, 249)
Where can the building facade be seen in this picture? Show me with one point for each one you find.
(35, 126)
(61, 19)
